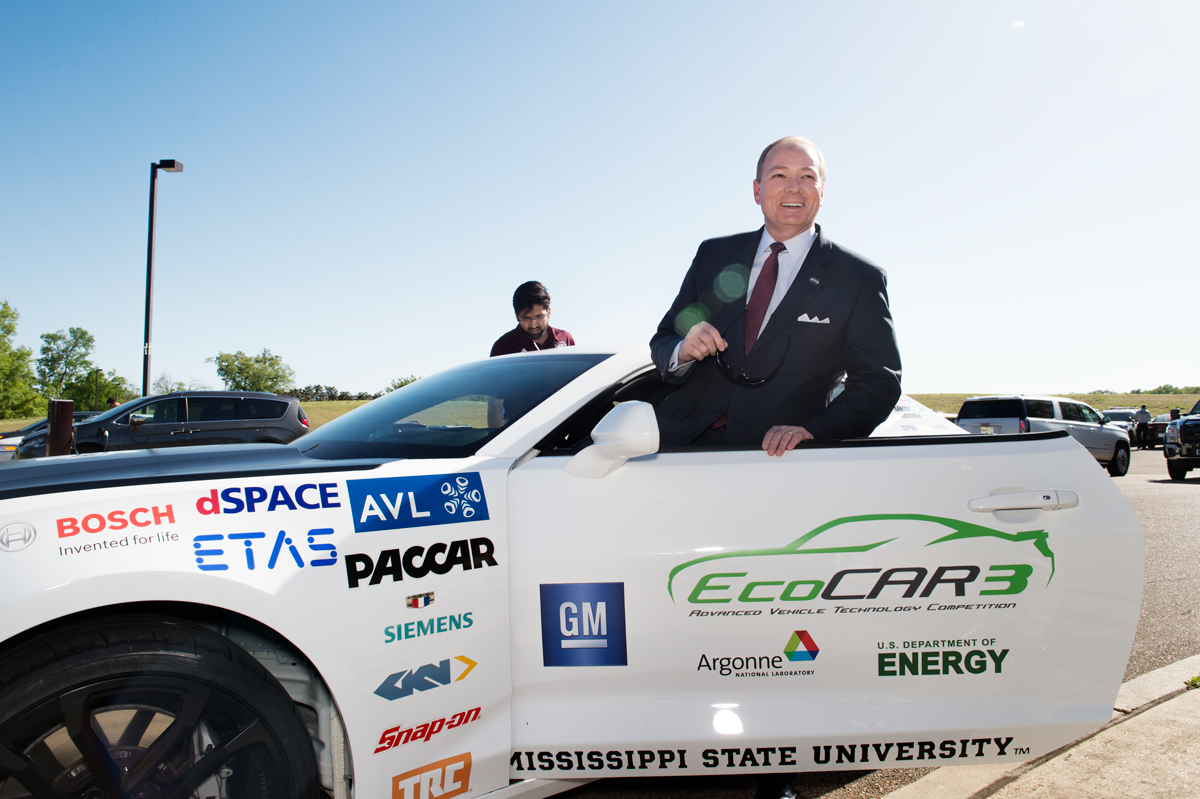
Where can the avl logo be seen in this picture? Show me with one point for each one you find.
(801, 646)
(425, 678)
(583, 624)
(396, 503)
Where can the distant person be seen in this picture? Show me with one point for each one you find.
(1141, 418)
(112, 403)
(531, 303)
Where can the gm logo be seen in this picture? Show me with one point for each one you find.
(583, 624)
(426, 678)
(395, 503)
(16, 536)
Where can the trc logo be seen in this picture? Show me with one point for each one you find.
(441, 780)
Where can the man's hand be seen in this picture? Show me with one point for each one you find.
(780, 438)
(701, 341)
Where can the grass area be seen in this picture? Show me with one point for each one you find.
(319, 413)
(8, 425)
(468, 412)
(1155, 403)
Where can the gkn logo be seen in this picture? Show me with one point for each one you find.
(441, 780)
(425, 678)
(583, 624)
(16, 536)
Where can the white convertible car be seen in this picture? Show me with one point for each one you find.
(493, 580)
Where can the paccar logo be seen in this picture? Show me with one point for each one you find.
(423, 732)
(583, 624)
(864, 584)
(394, 503)
(115, 520)
(441, 780)
(212, 557)
(16, 536)
(416, 629)
(310, 496)
(419, 561)
(425, 678)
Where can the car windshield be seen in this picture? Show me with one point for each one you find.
(1119, 416)
(1195, 408)
(991, 409)
(113, 413)
(29, 428)
(448, 415)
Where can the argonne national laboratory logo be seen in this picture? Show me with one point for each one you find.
(801, 647)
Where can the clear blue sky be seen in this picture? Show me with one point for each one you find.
(366, 183)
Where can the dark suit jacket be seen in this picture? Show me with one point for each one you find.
(858, 340)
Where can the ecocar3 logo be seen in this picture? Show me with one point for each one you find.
(16, 536)
(583, 624)
(1012, 577)
(395, 503)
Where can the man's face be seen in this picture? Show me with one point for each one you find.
(534, 322)
(790, 191)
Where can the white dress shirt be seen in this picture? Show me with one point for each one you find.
(790, 261)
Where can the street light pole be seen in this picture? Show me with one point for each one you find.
(167, 165)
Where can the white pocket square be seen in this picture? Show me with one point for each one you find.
(806, 318)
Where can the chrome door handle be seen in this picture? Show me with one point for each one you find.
(1052, 499)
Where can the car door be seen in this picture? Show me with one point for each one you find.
(804, 608)
(1076, 424)
(264, 419)
(214, 420)
(1101, 438)
(157, 423)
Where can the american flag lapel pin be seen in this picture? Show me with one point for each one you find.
(816, 281)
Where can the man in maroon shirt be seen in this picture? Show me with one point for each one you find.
(531, 302)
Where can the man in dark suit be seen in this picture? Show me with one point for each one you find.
(766, 324)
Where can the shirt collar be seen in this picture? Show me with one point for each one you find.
(798, 244)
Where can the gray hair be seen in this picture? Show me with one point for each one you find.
(799, 141)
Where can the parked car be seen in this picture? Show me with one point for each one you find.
(1157, 431)
(11, 440)
(185, 419)
(424, 599)
(1124, 418)
(1181, 443)
(1018, 413)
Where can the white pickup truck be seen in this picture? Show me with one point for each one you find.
(494, 581)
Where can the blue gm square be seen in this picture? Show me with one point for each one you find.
(583, 624)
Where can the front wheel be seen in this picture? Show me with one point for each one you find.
(1118, 466)
(1176, 471)
(145, 706)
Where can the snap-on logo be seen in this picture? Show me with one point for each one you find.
(16, 536)
(395, 503)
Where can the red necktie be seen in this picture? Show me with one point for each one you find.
(760, 298)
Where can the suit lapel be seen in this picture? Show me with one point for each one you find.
(736, 308)
(802, 290)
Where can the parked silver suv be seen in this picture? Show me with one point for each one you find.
(1019, 413)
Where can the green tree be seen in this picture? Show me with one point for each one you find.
(91, 391)
(262, 372)
(17, 395)
(400, 382)
(64, 360)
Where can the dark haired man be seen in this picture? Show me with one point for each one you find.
(767, 322)
(531, 303)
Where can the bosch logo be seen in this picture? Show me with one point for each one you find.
(16, 536)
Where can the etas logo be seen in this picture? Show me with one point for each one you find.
(441, 780)
(395, 503)
(16, 536)
(424, 678)
(260, 552)
(423, 732)
(583, 624)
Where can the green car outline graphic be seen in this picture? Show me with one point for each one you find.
(1040, 539)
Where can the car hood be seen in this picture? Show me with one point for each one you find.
(143, 466)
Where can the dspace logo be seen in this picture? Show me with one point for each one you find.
(583, 624)
(16, 536)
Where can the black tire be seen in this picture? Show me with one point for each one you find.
(1118, 465)
(148, 707)
(1176, 471)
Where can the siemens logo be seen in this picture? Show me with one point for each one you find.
(416, 629)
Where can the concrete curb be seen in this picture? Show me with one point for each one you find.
(1136, 697)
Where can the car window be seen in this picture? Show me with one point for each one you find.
(1039, 409)
(258, 408)
(211, 409)
(1089, 415)
(1120, 416)
(451, 414)
(991, 409)
(158, 412)
(1071, 412)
